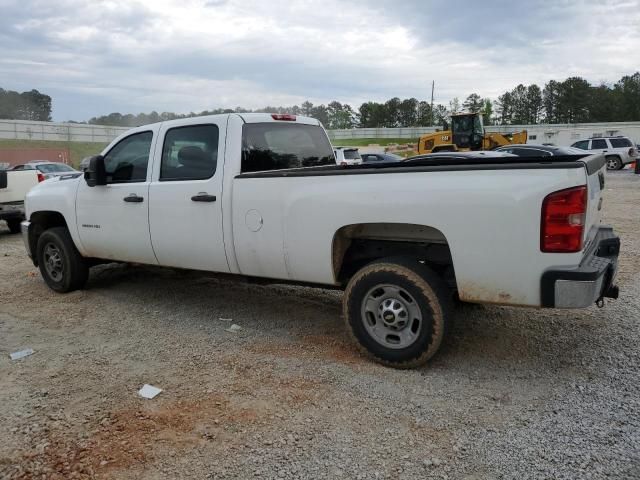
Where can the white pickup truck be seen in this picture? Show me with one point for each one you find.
(260, 195)
(14, 186)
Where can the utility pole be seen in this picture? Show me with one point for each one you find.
(433, 86)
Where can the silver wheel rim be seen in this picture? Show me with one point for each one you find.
(391, 316)
(612, 164)
(53, 262)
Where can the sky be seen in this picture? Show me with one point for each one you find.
(94, 57)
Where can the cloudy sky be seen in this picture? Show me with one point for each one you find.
(98, 56)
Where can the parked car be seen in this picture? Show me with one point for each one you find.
(347, 156)
(14, 186)
(619, 151)
(47, 169)
(380, 158)
(457, 156)
(532, 150)
(267, 200)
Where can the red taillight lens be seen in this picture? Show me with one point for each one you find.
(40, 177)
(284, 116)
(563, 217)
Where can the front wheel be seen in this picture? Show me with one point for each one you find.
(60, 263)
(397, 310)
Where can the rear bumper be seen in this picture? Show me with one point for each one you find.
(10, 211)
(591, 281)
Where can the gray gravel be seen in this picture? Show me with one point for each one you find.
(514, 393)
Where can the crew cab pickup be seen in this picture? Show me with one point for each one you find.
(260, 195)
(14, 186)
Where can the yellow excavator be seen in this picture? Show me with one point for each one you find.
(467, 133)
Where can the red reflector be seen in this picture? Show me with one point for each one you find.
(563, 217)
(283, 116)
(40, 177)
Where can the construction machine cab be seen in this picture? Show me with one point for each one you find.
(467, 130)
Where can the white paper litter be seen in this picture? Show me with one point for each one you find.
(21, 354)
(149, 391)
(225, 319)
(233, 328)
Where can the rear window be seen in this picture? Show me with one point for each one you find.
(620, 142)
(54, 168)
(351, 155)
(278, 146)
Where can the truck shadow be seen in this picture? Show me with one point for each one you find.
(306, 323)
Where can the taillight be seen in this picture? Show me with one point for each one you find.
(40, 177)
(283, 116)
(632, 152)
(563, 218)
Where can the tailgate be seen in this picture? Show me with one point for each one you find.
(595, 166)
(18, 184)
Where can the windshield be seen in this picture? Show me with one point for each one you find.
(54, 168)
(277, 146)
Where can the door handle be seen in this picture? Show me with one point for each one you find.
(203, 197)
(133, 198)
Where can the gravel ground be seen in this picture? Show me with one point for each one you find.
(514, 393)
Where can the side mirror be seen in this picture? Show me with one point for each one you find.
(96, 173)
(3, 179)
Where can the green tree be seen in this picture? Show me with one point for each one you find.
(473, 103)
(487, 111)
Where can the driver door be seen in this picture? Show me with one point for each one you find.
(113, 219)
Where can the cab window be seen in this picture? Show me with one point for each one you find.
(598, 144)
(583, 144)
(278, 146)
(127, 162)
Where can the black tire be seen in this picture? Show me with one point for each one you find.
(414, 282)
(614, 162)
(60, 263)
(14, 225)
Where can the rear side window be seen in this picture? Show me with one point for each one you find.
(278, 146)
(598, 144)
(128, 160)
(620, 142)
(189, 153)
(351, 155)
(583, 144)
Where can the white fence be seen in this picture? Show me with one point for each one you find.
(61, 132)
(558, 134)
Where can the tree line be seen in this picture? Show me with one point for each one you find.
(573, 100)
(31, 105)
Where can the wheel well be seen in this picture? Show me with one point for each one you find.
(41, 221)
(357, 245)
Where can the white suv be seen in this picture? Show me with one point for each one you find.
(347, 156)
(619, 151)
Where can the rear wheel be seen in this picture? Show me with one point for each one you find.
(14, 225)
(613, 163)
(397, 310)
(60, 263)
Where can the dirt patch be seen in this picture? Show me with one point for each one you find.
(319, 347)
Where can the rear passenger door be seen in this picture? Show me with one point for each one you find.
(599, 145)
(185, 195)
